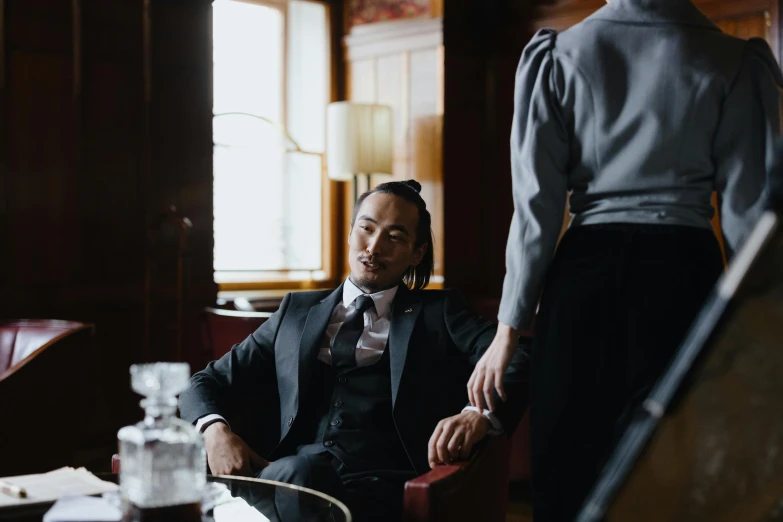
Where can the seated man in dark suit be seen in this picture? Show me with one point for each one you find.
(357, 390)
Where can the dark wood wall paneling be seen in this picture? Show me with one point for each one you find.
(5, 239)
(179, 144)
(41, 146)
(105, 121)
(483, 44)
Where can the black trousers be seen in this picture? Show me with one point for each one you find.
(369, 495)
(617, 302)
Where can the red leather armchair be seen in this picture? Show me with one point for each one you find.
(474, 490)
(469, 491)
(466, 491)
(44, 388)
(222, 329)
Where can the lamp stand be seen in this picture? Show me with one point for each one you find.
(356, 185)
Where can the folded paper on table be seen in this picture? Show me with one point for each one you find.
(51, 486)
(83, 509)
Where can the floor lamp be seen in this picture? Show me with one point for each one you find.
(359, 142)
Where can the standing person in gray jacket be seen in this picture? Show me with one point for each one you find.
(638, 113)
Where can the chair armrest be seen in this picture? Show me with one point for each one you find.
(418, 492)
(476, 489)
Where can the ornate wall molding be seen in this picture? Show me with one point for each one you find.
(373, 40)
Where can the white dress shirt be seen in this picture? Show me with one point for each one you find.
(372, 343)
(377, 320)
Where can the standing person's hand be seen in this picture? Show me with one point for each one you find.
(227, 454)
(488, 373)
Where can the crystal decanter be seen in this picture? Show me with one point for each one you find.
(163, 461)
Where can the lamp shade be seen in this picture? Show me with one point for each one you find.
(358, 140)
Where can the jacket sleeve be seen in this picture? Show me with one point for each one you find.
(245, 372)
(539, 160)
(472, 335)
(744, 144)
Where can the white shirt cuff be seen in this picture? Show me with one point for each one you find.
(208, 418)
(497, 427)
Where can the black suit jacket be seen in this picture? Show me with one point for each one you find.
(434, 342)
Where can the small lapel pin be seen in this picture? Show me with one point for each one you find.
(408, 310)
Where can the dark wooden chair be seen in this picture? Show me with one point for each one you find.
(45, 390)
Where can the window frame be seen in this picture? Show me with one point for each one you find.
(326, 276)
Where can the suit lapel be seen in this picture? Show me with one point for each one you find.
(404, 314)
(314, 329)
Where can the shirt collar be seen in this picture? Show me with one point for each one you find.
(655, 11)
(382, 299)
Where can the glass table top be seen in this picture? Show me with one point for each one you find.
(227, 499)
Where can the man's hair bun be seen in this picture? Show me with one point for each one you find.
(415, 185)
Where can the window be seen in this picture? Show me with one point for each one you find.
(271, 88)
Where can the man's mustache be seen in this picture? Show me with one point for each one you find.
(371, 259)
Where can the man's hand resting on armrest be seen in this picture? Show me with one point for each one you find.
(227, 454)
(454, 437)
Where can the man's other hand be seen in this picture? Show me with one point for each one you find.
(454, 437)
(227, 454)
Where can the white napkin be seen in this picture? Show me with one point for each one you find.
(83, 509)
(60, 483)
